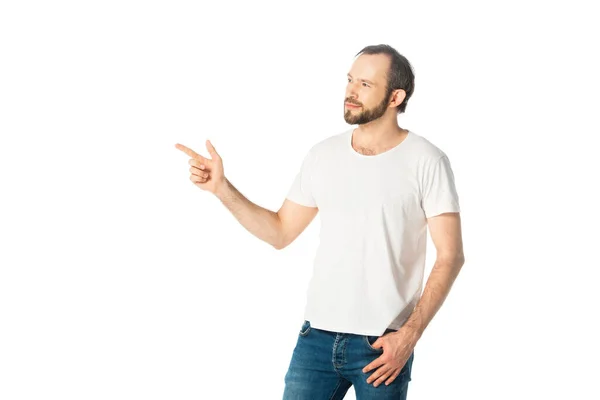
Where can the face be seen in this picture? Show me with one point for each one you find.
(367, 89)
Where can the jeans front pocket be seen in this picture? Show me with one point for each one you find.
(305, 328)
(369, 340)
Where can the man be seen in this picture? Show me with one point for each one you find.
(379, 188)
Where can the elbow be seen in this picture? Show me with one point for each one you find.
(280, 241)
(279, 245)
(459, 260)
(455, 260)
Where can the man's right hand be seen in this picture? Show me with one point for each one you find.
(206, 173)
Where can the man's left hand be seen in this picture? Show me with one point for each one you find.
(397, 348)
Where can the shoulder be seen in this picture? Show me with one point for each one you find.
(425, 150)
(330, 144)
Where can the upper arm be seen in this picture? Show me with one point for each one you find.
(300, 205)
(441, 207)
(294, 219)
(446, 234)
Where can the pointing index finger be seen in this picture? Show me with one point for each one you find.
(191, 153)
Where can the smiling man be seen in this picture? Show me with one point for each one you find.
(379, 188)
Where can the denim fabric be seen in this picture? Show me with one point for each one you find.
(326, 364)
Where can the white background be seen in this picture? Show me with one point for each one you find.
(120, 279)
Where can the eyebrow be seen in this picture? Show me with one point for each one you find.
(363, 80)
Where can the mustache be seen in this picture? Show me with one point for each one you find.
(351, 102)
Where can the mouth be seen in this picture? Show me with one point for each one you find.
(351, 105)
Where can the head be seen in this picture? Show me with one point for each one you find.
(380, 82)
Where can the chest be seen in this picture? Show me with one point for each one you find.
(367, 189)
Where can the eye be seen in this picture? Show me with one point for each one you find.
(365, 83)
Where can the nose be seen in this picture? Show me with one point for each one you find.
(351, 92)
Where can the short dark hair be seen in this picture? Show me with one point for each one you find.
(400, 74)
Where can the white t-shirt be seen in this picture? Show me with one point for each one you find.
(369, 266)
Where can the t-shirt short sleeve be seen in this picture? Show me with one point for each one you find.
(439, 191)
(301, 191)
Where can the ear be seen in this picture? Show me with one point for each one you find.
(397, 97)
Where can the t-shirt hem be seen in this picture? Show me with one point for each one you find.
(442, 211)
(339, 329)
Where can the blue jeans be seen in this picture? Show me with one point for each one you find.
(325, 364)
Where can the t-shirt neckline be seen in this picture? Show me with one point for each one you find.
(376, 156)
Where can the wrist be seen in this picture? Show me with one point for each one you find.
(221, 189)
(412, 332)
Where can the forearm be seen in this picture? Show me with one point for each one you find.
(441, 278)
(262, 223)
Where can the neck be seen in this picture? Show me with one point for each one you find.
(379, 134)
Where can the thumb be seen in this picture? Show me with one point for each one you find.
(211, 150)
(377, 344)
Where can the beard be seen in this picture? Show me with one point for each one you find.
(353, 117)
